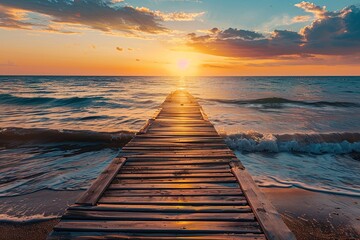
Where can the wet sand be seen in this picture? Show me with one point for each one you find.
(33, 216)
(28, 231)
(314, 215)
(310, 215)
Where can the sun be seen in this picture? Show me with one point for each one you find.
(183, 64)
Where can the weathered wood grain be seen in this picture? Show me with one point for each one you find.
(91, 196)
(270, 220)
(174, 227)
(148, 216)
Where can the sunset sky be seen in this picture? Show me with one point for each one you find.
(179, 37)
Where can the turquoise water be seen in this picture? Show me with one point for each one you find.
(58, 133)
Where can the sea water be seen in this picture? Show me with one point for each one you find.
(59, 133)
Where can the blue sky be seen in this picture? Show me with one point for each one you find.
(238, 13)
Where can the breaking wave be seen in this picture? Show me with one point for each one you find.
(336, 143)
(41, 135)
(276, 102)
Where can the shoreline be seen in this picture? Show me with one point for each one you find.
(315, 215)
(310, 215)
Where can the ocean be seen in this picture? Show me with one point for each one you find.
(59, 133)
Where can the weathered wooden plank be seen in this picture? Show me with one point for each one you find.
(177, 200)
(172, 175)
(207, 172)
(178, 153)
(114, 200)
(179, 167)
(270, 220)
(175, 192)
(151, 236)
(177, 140)
(176, 128)
(148, 216)
(177, 160)
(172, 185)
(169, 148)
(205, 153)
(176, 180)
(182, 138)
(163, 208)
(98, 187)
(156, 226)
(146, 144)
(178, 156)
(167, 198)
(153, 162)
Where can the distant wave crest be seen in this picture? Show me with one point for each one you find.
(42, 135)
(276, 102)
(76, 102)
(337, 143)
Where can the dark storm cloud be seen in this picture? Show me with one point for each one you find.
(331, 33)
(96, 14)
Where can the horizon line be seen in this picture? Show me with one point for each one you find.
(79, 75)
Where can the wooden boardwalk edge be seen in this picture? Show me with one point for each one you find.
(92, 195)
(132, 197)
(269, 219)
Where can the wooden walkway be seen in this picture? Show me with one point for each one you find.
(175, 180)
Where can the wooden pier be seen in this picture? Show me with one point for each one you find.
(175, 180)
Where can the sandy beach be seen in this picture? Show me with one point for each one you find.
(34, 215)
(310, 215)
(313, 215)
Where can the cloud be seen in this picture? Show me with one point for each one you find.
(119, 49)
(300, 19)
(233, 33)
(95, 14)
(180, 16)
(210, 65)
(173, 16)
(251, 44)
(312, 8)
(58, 30)
(105, 15)
(330, 33)
(10, 18)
